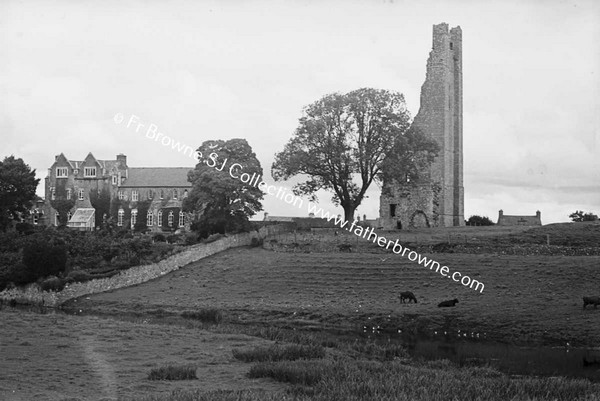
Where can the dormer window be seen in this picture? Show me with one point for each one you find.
(89, 172)
(62, 172)
(175, 194)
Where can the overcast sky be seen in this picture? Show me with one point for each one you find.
(203, 70)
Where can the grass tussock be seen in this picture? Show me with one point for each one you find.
(173, 372)
(208, 315)
(277, 352)
(302, 372)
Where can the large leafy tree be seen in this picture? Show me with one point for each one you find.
(345, 142)
(17, 189)
(220, 199)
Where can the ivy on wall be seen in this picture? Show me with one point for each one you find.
(100, 201)
(164, 224)
(62, 204)
(142, 212)
(117, 204)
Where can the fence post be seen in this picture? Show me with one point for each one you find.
(547, 239)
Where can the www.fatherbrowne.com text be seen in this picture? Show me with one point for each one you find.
(397, 248)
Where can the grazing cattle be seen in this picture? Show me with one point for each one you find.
(592, 301)
(407, 295)
(449, 303)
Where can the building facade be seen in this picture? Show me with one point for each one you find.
(437, 199)
(148, 198)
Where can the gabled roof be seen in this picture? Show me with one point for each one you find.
(157, 177)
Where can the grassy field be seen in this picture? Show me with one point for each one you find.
(297, 297)
(527, 299)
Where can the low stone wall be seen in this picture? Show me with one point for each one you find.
(137, 274)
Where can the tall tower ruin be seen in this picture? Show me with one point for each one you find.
(437, 199)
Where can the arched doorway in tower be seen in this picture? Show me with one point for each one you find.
(419, 219)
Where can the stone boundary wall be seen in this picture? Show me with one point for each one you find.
(138, 274)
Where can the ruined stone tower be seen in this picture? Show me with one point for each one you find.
(437, 199)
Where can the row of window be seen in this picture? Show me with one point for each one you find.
(150, 218)
(53, 193)
(135, 195)
(134, 213)
(63, 172)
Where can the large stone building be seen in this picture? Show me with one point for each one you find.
(160, 189)
(437, 199)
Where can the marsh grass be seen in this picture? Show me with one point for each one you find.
(303, 372)
(207, 315)
(277, 352)
(173, 372)
(386, 381)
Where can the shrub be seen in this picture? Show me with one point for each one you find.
(256, 242)
(25, 228)
(44, 258)
(172, 372)
(204, 315)
(173, 238)
(159, 238)
(476, 220)
(275, 353)
(52, 283)
(19, 274)
(190, 238)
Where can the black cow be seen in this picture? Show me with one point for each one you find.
(592, 301)
(407, 295)
(449, 303)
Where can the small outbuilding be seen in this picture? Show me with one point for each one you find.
(83, 219)
(506, 220)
